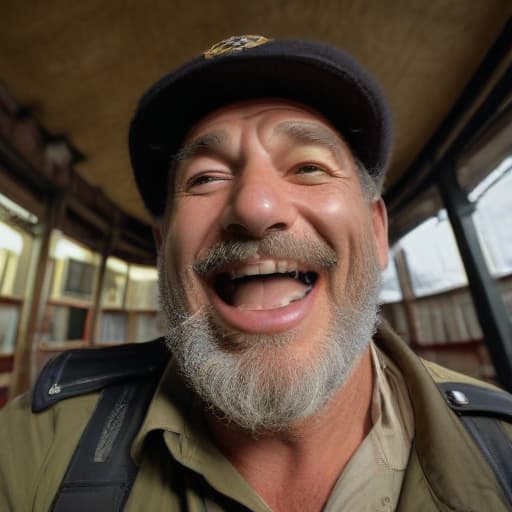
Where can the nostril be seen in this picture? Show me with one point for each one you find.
(278, 226)
(237, 230)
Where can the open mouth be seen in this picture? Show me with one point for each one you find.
(267, 285)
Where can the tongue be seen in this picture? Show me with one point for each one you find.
(268, 293)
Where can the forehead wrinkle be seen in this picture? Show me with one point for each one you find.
(205, 142)
(304, 132)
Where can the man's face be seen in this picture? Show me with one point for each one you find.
(268, 241)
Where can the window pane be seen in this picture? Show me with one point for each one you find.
(64, 323)
(390, 291)
(114, 283)
(75, 269)
(11, 248)
(142, 288)
(148, 327)
(9, 315)
(432, 257)
(493, 222)
(114, 326)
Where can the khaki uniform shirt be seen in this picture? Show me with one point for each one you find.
(180, 469)
(372, 480)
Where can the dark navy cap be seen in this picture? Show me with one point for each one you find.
(244, 67)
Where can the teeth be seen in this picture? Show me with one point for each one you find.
(264, 268)
(268, 267)
(282, 267)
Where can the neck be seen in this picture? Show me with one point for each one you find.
(310, 454)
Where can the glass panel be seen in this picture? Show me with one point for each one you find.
(492, 219)
(433, 257)
(142, 288)
(114, 284)
(74, 269)
(390, 291)
(9, 315)
(11, 247)
(64, 323)
(113, 326)
(148, 326)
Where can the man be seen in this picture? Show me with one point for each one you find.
(261, 162)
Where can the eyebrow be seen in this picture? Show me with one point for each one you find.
(203, 142)
(304, 132)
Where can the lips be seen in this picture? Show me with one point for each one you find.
(264, 285)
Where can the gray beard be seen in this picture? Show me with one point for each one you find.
(254, 381)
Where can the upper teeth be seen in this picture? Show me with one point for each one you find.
(265, 267)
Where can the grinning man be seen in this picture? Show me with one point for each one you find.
(261, 162)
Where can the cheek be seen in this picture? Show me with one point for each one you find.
(190, 229)
(179, 243)
(181, 247)
(338, 217)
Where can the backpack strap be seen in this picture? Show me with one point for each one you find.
(81, 371)
(481, 410)
(101, 472)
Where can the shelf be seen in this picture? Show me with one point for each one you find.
(59, 346)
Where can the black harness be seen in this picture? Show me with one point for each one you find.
(101, 472)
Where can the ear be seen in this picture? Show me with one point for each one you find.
(380, 230)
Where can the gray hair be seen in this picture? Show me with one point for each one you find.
(370, 185)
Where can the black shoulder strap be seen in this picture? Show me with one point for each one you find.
(481, 410)
(80, 371)
(101, 472)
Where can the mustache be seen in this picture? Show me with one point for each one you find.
(275, 245)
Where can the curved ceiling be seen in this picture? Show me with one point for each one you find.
(80, 67)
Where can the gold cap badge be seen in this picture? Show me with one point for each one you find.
(235, 44)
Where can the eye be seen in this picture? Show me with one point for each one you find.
(312, 174)
(310, 169)
(206, 181)
(201, 180)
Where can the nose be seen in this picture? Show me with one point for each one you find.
(260, 202)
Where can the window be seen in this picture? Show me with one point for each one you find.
(73, 274)
(142, 288)
(440, 310)
(433, 258)
(493, 197)
(15, 249)
(114, 283)
(79, 278)
(148, 326)
(129, 303)
(11, 246)
(114, 326)
(66, 323)
(9, 317)
(74, 269)
(390, 290)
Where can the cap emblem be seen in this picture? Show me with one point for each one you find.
(235, 44)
